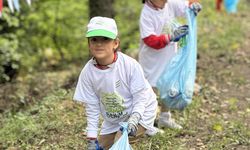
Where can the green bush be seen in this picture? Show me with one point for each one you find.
(9, 57)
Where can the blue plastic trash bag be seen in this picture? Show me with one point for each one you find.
(176, 84)
(231, 5)
(122, 143)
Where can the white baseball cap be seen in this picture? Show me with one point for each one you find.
(102, 26)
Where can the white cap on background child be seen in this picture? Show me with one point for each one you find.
(102, 26)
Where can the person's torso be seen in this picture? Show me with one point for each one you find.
(112, 87)
(162, 21)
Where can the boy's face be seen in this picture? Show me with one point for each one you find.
(102, 48)
(159, 3)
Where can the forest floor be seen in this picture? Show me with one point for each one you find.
(37, 111)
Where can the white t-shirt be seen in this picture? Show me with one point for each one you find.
(115, 93)
(154, 22)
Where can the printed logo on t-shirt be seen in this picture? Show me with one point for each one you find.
(117, 83)
(113, 104)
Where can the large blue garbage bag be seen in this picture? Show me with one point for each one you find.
(122, 143)
(176, 83)
(231, 5)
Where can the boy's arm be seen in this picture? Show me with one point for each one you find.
(158, 42)
(178, 7)
(139, 103)
(195, 6)
(139, 89)
(141, 97)
(138, 85)
(92, 113)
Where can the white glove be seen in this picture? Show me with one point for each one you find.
(91, 145)
(133, 122)
(195, 7)
(179, 33)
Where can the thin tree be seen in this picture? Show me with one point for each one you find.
(101, 8)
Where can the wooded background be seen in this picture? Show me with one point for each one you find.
(50, 33)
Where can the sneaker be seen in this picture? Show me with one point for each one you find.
(153, 131)
(165, 120)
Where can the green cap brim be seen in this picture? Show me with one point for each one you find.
(101, 32)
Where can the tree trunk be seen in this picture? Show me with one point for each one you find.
(102, 8)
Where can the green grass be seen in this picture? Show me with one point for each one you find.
(219, 32)
(54, 121)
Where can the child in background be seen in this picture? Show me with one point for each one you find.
(113, 84)
(159, 43)
(218, 5)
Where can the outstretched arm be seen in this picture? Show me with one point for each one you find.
(195, 6)
(158, 42)
(93, 113)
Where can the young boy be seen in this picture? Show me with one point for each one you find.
(112, 84)
(158, 43)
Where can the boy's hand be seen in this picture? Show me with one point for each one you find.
(91, 144)
(180, 32)
(133, 122)
(195, 7)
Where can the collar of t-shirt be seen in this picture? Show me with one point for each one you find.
(152, 5)
(103, 67)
